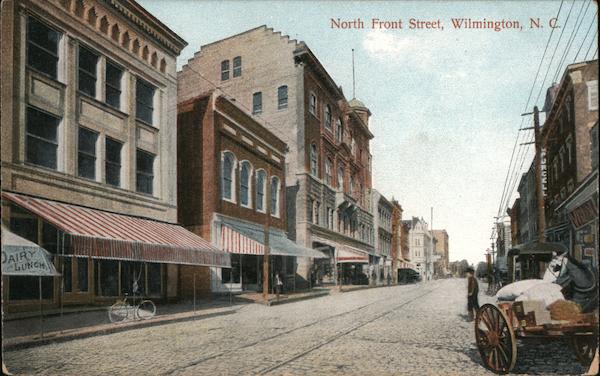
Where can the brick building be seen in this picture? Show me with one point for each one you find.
(328, 172)
(383, 210)
(441, 251)
(231, 180)
(88, 150)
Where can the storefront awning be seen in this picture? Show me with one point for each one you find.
(237, 236)
(23, 257)
(541, 250)
(346, 254)
(101, 234)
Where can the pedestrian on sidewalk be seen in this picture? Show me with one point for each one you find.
(278, 284)
(472, 293)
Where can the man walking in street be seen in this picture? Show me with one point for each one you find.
(472, 293)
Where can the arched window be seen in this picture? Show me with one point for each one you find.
(340, 178)
(329, 171)
(228, 164)
(261, 181)
(328, 117)
(274, 196)
(314, 160)
(339, 130)
(245, 188)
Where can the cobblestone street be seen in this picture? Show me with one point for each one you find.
(412, 330)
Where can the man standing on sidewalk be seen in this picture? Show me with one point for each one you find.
(472, 292)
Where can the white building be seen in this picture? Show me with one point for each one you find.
(420, 243)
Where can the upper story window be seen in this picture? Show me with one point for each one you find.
(257, 102)
(237, 66)
(224, 70)
(352, 145)
(312, 104)
(328, 171)
(112, 165)
(339, 130)
(87, 71)
(86, 153)
(228, 176)
(41, 138)
(327, 117)
(340, 178)
(282, 97)
(144, 101)
(569, 144)
(144, 172)
(274, 196)
(113, 85)
(261, 181)
(42, 47)
(246, 171)
(314, 160)
(592, 87)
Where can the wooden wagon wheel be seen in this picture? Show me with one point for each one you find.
(496, 339)
(585, 348)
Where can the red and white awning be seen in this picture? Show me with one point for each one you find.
(345, 254)
(234, 242)
(101, 234)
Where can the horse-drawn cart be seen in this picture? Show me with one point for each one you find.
(499, 326)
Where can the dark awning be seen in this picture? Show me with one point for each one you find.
(101, 234)
(537, 249)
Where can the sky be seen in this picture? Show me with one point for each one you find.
(446, 104)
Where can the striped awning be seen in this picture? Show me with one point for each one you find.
(101, 234)
(346, 254)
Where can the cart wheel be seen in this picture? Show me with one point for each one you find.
(495, 339)
(585, 348)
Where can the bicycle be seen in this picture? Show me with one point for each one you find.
(121, 310)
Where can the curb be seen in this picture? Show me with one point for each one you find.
(19, 343)
(292, 300)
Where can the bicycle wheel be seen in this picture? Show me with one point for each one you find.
(118, 312)
(146, 310)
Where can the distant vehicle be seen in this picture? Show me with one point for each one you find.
(406, 276)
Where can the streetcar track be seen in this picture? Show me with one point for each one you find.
(254, 343)
(340, 334)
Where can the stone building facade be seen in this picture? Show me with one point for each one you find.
(328, 167)
(420, 243)
(441, 251)
(383, 210)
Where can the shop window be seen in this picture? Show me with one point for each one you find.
(42, 47)
(237, 66)
(107, 273)
(113, 85)
(144, 172)
(28, 288)
(87, 71)
(113, 162)
(86, 154)
(133, 278)
(232, 275)
(144, 101)
(42, 138)
(82, 274)
(224, 70)
(257, 103)
(261, 180)
(282, 97)
(154, 272)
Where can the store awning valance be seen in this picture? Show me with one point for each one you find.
(346, 254)
(23, 257)
(237, 236)
(101, 234)
(540, 250)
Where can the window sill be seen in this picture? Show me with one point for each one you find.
(105, 107)
(246, 206)
(150, 127)
(45, 77)
(231, 201)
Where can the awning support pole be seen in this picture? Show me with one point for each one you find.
(194, 294)
(62, 275)
(41, 309)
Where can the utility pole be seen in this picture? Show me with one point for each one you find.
(267, 231)
(538, 176)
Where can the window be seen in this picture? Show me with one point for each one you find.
(569, 143)
(352, 146)
(282, 97)
(224, 70)
(340, 178)
(113, 85)
(592, 87)
(312, 104)
(144, 98)
(339, 130)
(352, 184)
(237, 66)
(144, 172)
(257, 103)
(313, 160)
(310, 210)
(113, 162)
(87, 71)
(328, 117)
(42, 47)
(227, 176)
(86, 155)
(328, 171)
(41, 138)
(245, 184)
(275, 196)
(261, 180)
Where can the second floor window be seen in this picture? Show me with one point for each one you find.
(144, 101)
(41, 139)
(113, 162)
(245, 183)
(282, 97)
(113, 85)
(87, 71)
(227, 176)
(314, 160)
(274, 196)
(328, 117)
(261, 181)
(328, 171)
(86, 155)
(144, 172)
(237, 66)
(42, 47)
(339, 130)
(224, 70)
(257, 103)
(312, 104)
